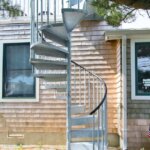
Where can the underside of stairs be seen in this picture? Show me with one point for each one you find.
(113, 148)
(51, 59)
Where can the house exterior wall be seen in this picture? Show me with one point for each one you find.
(90, 50)
(37, 121)
(138, 114)
(46, 120)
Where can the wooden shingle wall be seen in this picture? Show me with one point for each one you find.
(90, 50)
(46, 120)
(39, 122)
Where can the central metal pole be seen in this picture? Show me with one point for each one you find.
(105, 125)
(68, 109)
(32, 3)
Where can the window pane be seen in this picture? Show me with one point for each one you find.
(20, 53)
(19, 83)
(17, 74)
(142, 51)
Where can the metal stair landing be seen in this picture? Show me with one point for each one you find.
(72, 17)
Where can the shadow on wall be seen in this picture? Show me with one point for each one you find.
(90, 50)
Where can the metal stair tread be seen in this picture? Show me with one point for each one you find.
(61, 97)
(77, 109)
(114, 148)
(84, 146)
(56, 32)
(84, 129)
(47, 49)
(49, 62)
(82, 120)
(52, 77)
(85, 133)
(61, 90)
(56, 86)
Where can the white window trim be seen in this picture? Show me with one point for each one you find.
(36, 99)
(133, 91)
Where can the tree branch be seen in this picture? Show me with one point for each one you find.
(148, 13)
(130, 12)
(137, 4)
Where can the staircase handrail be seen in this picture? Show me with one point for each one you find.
(102, 101)
(105, 88)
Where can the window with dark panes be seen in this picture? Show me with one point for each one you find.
(142, 68)
(17, 71)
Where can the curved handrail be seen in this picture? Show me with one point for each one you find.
(102, 101)
(105, 88)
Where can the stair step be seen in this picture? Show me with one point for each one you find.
(77, 109)
(52, 77)
(84, 120)
(61, 90)
(55, 86)
(85, 133)
(114, 148)
(85, 146)
(56, 32)
(48, 64)
(46, 49)
(68, 14)
(60, 97)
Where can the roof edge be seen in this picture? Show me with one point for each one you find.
(130, 33)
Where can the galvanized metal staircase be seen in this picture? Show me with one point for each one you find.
(84, 92)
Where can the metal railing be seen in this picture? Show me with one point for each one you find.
(91, 91)
(47, 12)
(49, 9)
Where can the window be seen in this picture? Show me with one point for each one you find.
(18, 83)
(140, 64)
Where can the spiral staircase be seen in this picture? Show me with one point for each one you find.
(85, 93)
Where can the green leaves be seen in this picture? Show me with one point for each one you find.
(13, 10)
(112, 12)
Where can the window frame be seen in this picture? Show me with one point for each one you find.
(135, 96)
(15, 99)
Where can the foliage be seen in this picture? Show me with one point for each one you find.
(19, 147)
(114, 13)
(13, 10)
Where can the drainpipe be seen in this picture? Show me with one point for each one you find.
(124, 89)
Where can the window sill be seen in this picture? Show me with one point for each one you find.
(135, 97)
(19, 100)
